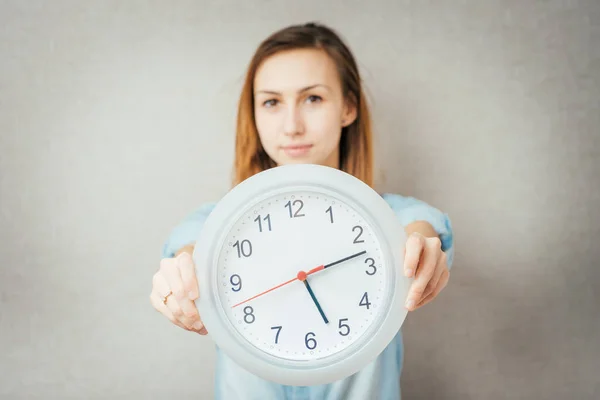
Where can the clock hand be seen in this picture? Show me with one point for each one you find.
(312, 271)
(265, 292)
(344, 259)
(302, 276)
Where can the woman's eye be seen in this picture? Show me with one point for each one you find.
(270, 103)
(313, 99)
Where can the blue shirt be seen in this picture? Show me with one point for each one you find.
(378, 380)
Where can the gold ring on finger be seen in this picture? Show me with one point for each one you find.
(166, 298)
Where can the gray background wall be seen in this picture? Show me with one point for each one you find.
(489, 110)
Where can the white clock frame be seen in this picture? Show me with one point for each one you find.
(233, 205)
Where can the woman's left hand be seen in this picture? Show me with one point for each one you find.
(425, 260)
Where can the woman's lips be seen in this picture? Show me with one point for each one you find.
(297, 150)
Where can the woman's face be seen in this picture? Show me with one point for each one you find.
(299, 108)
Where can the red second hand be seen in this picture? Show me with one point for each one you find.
(301, 276)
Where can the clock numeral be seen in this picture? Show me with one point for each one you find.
(360, 232)
(342, 326)
(364, 301)
(310, 343)
(249, 315)
(371, 265)
(238, 282)
(243, 249)
(330, 211)
(277, 334)
(297, 213)
(267, 218)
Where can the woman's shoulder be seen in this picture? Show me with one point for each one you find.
(399, 201)
(408, 204)
(410, 209)
(201, 211)
(188, 229)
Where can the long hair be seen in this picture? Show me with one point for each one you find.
(356, 152)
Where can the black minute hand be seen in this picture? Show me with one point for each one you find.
(344, 259)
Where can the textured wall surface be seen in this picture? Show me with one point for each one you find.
(488, 110)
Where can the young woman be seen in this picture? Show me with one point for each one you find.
(302, 102)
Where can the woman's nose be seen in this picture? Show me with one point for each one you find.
(293, 124)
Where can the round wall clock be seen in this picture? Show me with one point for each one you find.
(300, 274)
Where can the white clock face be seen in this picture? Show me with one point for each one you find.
(302, 275)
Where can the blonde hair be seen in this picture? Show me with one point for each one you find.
(356, 152)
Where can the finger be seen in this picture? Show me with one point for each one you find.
(187, 270)
(412, 253)
(157, 303)
(435, 279)
(424, 273)
(161, 289)
(188, 275)
(444, 278)
(169, 280)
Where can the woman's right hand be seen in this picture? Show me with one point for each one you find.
(174, 289)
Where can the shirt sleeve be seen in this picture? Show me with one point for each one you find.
(410, 209)
(187, 231)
